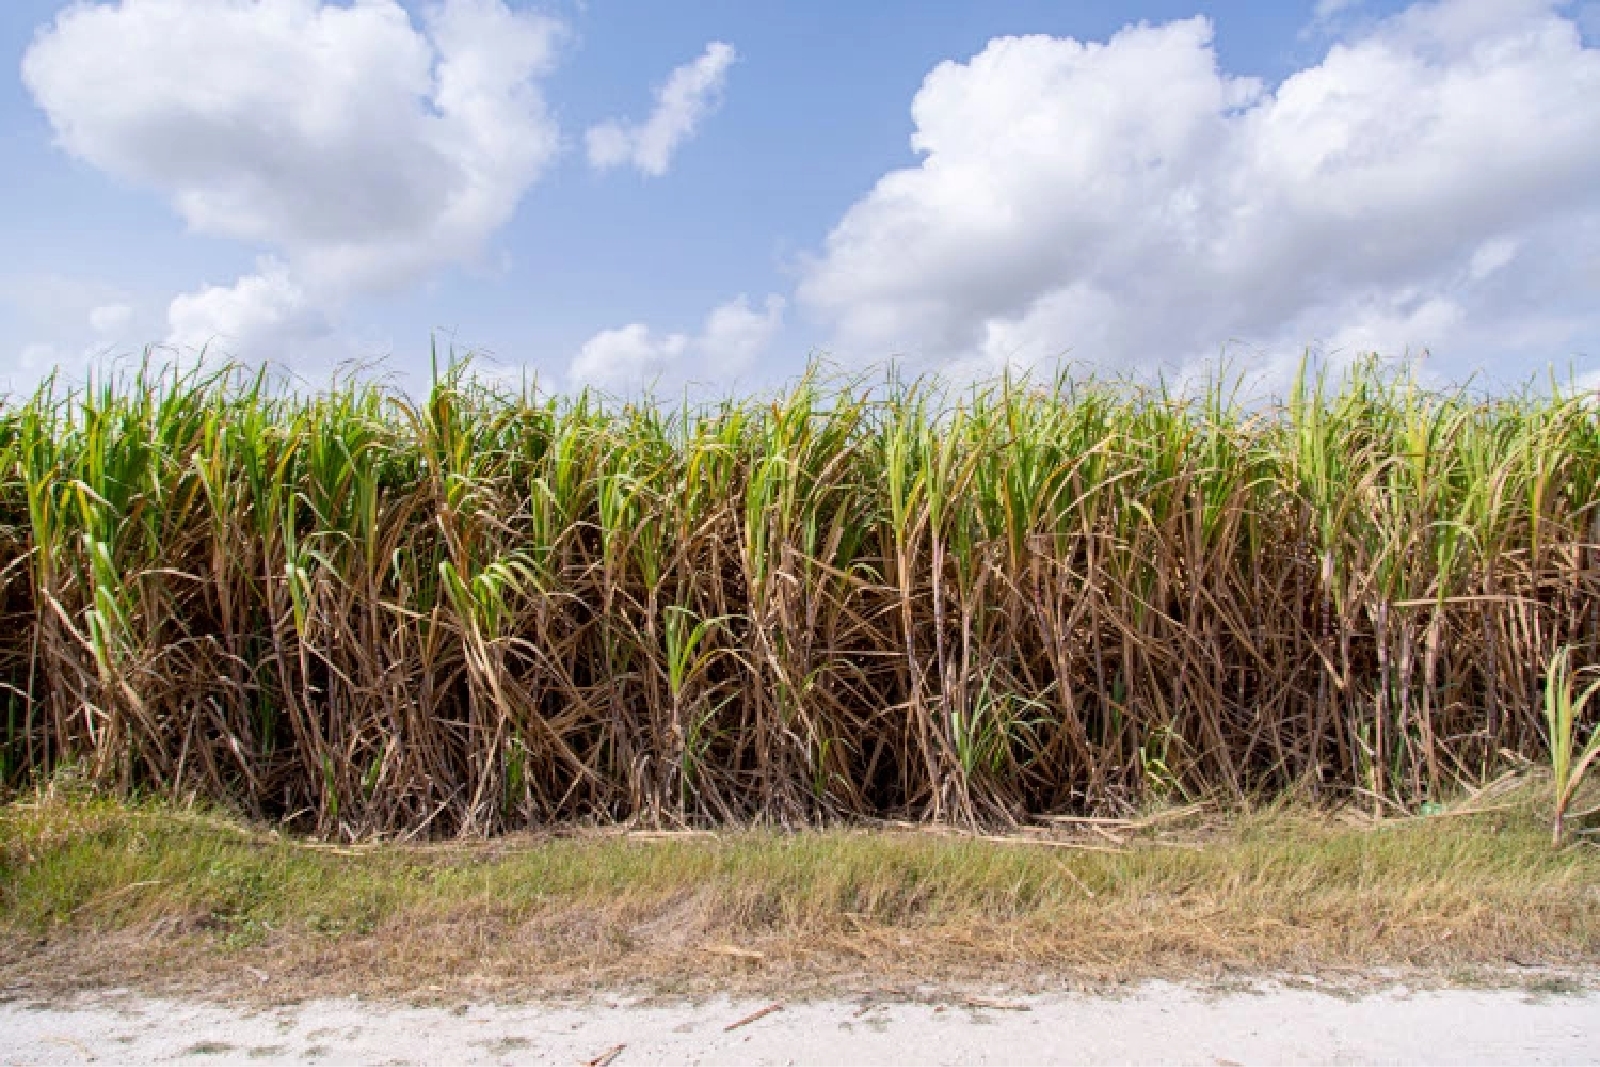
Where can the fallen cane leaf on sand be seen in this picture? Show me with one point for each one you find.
(994, 1005)
(605, 1057)
(753, 1016)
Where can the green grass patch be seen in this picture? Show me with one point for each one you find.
(1282, 888)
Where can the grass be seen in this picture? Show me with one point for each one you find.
(369, 615)
(94, 892)
(1563, 708)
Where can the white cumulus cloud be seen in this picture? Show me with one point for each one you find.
(1431, 183)
(264, 316)
(734, 336)
(363, 149)
(690, 93)
(628, 356)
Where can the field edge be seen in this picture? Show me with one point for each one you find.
(97, 894)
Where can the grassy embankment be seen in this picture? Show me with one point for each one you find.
(96, 892)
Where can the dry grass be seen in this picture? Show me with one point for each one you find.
(95, 893)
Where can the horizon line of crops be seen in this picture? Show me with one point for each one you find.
(484, 610)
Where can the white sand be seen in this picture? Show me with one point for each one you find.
(1155, 1023)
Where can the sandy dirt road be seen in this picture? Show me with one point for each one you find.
(1153, 1023)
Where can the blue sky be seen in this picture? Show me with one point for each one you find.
(1131, 199)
